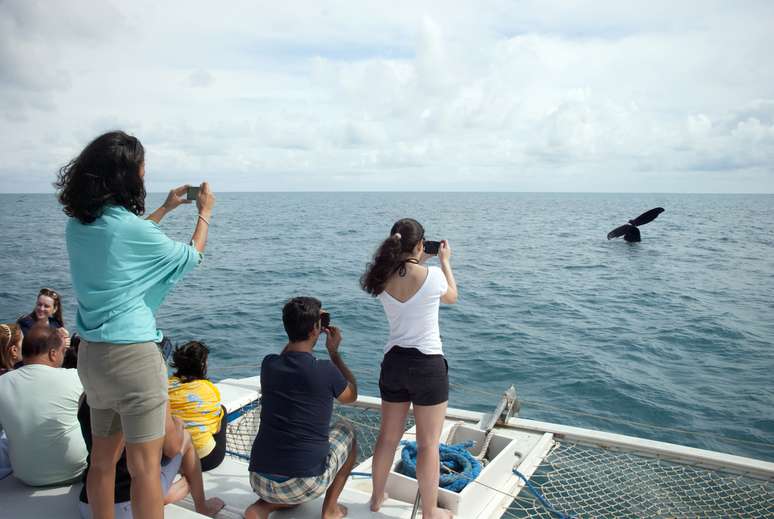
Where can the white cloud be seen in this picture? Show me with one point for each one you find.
(449, 95)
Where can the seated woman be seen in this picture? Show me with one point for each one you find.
(179, 457)
(48, 309)
(196, 401)
(10, 346)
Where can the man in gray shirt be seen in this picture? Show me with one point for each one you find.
(39, 413)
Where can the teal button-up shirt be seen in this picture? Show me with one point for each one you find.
(122, 267)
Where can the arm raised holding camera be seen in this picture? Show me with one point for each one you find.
(444, 255)
(332, 343)
(175, 198)
(205, 201)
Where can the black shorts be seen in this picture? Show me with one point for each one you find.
(215, 457)
(408, 375)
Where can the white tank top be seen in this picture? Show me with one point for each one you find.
(414, 323)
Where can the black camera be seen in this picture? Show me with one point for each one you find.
(431, 247)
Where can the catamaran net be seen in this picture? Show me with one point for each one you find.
(584, 481)
(594, 482)
(241, 432)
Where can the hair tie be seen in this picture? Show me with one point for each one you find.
(397, 235)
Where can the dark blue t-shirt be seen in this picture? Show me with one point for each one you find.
(297, 392)
(28, 321)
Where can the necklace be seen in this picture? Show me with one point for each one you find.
(402, 267)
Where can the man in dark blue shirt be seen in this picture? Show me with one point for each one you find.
(297, 455)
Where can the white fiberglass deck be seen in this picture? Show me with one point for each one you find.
(582, 472)
(230, 480)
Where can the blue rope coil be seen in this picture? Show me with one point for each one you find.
(461, 466)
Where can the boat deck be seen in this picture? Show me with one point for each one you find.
(230, 480)
(583, 472)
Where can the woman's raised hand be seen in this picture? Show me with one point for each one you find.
(206, 199)
(176, 197)
(444, 252)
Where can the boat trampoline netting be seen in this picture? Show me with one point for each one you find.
(585, 481)
(242, 431)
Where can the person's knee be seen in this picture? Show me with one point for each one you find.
(144, 462)
(428, 439)
(140, 468)
(101, 467)
(391, 436)
(104, 459)
(144, 469)
(427, 445)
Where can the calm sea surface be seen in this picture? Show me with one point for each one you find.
(676, 331)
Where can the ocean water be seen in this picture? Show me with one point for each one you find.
(674, 332)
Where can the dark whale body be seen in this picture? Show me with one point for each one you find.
(629, 231)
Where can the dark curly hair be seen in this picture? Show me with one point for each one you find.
(106, 172)
(391, 255)
(190, 361)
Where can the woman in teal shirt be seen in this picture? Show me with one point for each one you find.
(122, 268)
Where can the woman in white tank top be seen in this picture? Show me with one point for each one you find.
(414, 370)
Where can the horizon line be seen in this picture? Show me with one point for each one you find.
(448, 191)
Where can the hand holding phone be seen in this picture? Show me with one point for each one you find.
(175, 198)
(444, 255)
(333, 341)
(205, 199)
(325, 320)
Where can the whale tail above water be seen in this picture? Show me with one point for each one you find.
(629, 231)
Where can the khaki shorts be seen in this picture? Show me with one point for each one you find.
(126, 388)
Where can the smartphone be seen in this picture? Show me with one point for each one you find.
(431, 247)
(325, 320)
(193, 193)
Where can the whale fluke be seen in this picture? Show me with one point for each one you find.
(629, 231)
(647, 216)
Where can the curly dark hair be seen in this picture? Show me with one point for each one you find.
(190, 361)
(391, 255)
(106, 172)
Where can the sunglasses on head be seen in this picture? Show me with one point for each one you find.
(48, 292)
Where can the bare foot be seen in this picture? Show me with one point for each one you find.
(256, 511)
(261, 509)
(376, 504)
(337, 513)
(177, 491)
(438, 513)
(212, 506)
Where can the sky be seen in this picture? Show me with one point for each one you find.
(485, 95)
